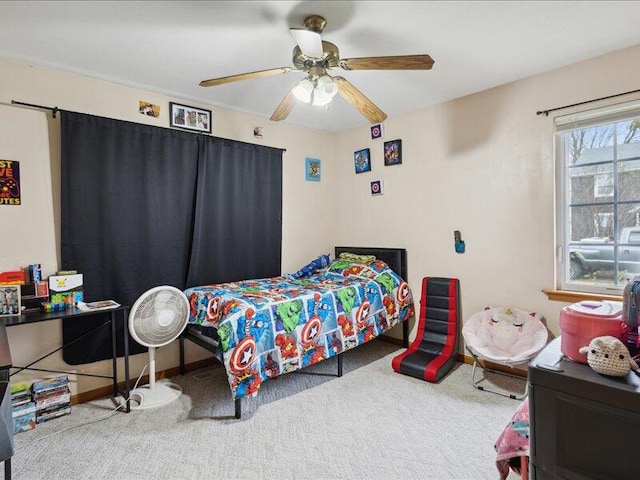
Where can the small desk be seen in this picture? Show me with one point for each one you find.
(6, 432)
(75, 313)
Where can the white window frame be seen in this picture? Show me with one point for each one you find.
(562, 125)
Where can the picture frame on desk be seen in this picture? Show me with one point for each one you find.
(10, 304)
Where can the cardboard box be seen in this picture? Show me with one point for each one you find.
(66, 288)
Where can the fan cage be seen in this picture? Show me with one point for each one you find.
(159, 316)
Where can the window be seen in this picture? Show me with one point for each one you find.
(598, 198)
(603, 185)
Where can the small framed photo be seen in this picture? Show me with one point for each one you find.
(377, 187)
(10, 300)
(376, 131)
(362, 160)
(190, 118)
(393, 152)
(312, 169)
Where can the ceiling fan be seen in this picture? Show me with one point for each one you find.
(315, 57)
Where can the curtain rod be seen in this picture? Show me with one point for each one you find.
(546, 112)
(55, 110)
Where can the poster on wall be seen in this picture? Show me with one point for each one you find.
(312, 169)
(9, 182)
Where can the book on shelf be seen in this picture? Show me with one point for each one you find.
(99, 305)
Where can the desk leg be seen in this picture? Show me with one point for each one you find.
(7, 469)
(126, 359)
(114, 354)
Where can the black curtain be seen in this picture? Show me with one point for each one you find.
(238, 224)
(141, 205)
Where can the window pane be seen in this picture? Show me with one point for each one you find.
(591, 224)
(591, 263)
(628, 262)
(628, 221)
(628, 138)
(590, 145)
(591, 184)
(629, 180)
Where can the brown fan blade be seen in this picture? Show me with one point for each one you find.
(401, 62)
(284, 109)
(244, 76)
(361, 103)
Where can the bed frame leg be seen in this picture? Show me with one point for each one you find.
(238, 404)
(181, 355)
(340, 365)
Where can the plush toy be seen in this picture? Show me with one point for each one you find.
(609, 356)
(312, 267)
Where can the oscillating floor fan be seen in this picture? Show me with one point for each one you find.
(157, 318)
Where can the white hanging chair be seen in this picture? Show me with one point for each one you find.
(503, 336)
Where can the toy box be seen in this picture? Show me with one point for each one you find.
(583, 321)
(66, 288)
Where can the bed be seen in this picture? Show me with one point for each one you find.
(263, 328)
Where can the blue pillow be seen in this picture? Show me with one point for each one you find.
(310, 268)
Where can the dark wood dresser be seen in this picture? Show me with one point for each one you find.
(583, 425)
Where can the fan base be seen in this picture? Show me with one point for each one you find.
(145, 397)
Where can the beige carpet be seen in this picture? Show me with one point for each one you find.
(372, 423)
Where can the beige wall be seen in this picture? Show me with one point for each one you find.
(30, 232)
(483, 165)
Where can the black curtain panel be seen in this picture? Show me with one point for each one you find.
(238, 220)
(144, 206)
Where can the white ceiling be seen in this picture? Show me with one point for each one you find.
(168, 47)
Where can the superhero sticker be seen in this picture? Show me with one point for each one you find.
(9, 182)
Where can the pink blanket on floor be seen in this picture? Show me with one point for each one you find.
(513, 442)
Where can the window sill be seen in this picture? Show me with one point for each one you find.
(573, 297)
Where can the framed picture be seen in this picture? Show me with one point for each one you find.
(376, 131)
(312, 169)
(190, 118)
(393, 152)
(362, 160)
(377, 187)
(10, 300)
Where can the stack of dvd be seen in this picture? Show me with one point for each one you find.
(23, 408)
(52, 398)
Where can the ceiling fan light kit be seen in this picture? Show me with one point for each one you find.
(314, 56)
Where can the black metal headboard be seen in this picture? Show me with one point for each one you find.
(396, 258)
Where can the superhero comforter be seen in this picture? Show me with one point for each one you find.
(273, 326)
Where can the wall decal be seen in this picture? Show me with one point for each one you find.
(312, 169)
(393, 152)
(10, 182)
(362, 160)
(377, 187)
(150, 109)
(377, 131)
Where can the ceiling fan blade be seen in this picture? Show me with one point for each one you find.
(244, 76)
(309, 42)
(361, 103)
(400, 62)
(284, 109)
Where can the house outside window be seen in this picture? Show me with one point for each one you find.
(603, 185)
(598, 198)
